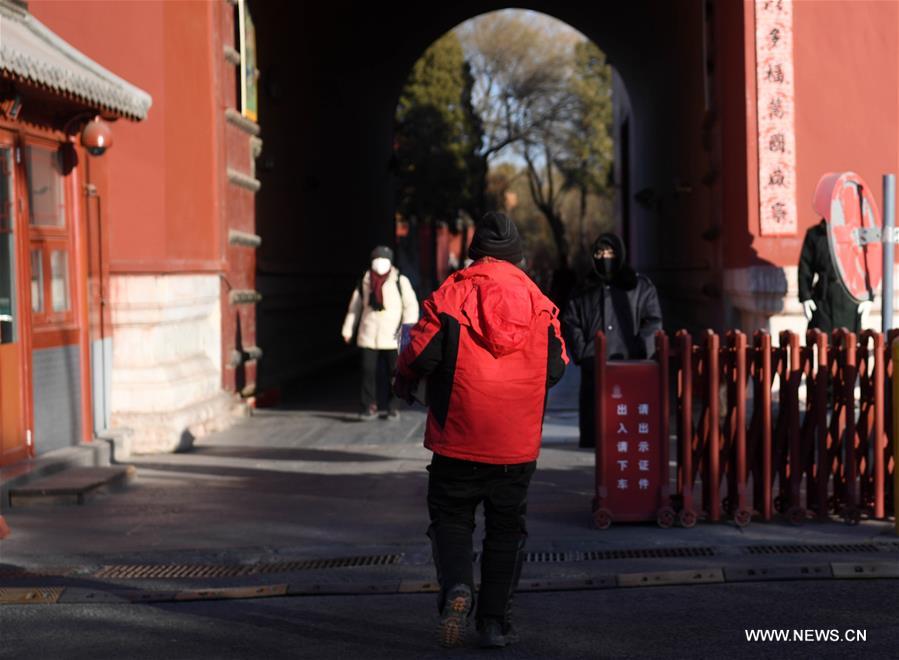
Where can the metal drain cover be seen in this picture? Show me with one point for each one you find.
(810, 548)
(182, 571)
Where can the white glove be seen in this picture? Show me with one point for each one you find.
(864, 309)
(809, 306)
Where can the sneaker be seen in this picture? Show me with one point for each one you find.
(393, 415)
(493, 635)
(454, 617)
(368, 415)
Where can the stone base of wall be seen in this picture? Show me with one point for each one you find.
(166, 360)
(767, 298)
(154, 433)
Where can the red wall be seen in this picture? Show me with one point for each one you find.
(845, 62)
(161, 207)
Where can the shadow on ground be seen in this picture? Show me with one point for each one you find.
(285, 454)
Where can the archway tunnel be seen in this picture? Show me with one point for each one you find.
(331, 75)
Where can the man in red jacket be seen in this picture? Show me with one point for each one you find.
(490, 347)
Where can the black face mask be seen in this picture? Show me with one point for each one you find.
(605, 268)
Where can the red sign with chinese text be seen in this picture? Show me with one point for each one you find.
(630, 454)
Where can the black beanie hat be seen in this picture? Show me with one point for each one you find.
(382, 251)
(496, 236)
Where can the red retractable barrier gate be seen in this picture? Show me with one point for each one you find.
(834, 453)
(632, 472)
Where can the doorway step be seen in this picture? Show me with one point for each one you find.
(86, 454)
(72, 486)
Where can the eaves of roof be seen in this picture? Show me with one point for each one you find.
(32, 53)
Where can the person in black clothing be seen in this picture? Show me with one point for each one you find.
(621, 303)
(825, 301)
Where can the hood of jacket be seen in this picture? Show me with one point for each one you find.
(614, 241)
(501, 305)
(624, 276)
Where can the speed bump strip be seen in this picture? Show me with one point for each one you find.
(93, 596)
(63, 595)
(16, 573)
(418, 587)
(705, 576)
(30, 596)
(152, 596)
(597, 582)
(343, 589)
(874, 569)
(762, 574)
(235, 593)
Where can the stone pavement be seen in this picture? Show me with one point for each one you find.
(300, 483)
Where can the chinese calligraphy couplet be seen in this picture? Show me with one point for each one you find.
(776, 112)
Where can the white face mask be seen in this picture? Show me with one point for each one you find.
(381, 265)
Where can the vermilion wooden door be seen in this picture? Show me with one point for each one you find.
(14, 443)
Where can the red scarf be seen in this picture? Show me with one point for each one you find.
(376, 298)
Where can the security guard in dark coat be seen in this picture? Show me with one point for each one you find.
(621, 303)
(826, 303)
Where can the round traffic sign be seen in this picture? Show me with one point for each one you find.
(853, 231)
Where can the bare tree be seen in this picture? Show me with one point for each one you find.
(530, 106)
(516, 70)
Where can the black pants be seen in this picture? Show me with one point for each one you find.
(377, 368)
(587, 405)
(455, 489)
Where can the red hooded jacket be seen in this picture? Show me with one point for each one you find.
(490, 346)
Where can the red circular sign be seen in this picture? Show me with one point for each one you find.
(853, 232)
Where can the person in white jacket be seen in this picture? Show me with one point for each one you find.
(382, 302)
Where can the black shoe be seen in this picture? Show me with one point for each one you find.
(493, 635)
(393, 415)
(454, 616)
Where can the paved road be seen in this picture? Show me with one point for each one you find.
(310, 483)
(661, 622)
(300, 482)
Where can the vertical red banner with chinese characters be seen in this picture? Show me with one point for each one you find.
(776, 112)
(631, 446)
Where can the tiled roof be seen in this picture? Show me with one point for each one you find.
(31, 52)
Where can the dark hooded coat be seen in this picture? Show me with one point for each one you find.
(834, 307)
(626, 308)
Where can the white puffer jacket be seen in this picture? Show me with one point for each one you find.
(380, 329)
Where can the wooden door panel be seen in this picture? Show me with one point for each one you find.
(13, 445)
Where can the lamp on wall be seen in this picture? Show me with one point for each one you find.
(96, 136)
